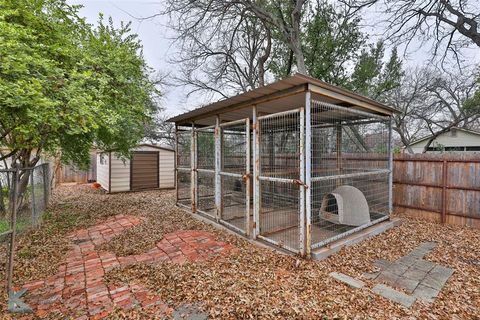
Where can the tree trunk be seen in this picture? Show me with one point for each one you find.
(295, 37)
(264, 57)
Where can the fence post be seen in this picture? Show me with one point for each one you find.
(46, 183)
(13, 226)
(390, 166)
(308, 173)
(193, 161)
(218, 168)
(256, 173)
(444, 190)
(34, 213)
(247, 175)
(175, 163)
(301, 230)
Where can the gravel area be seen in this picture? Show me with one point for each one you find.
(255, 282)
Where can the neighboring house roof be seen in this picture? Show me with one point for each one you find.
(253, 96)
(161, 147)
(167, 148)
(455, 128)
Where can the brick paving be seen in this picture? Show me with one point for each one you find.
(79, 289)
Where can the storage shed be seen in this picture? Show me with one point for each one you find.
(298, 163)
(150, 167)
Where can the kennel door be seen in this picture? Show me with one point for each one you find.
(235, 175)
(281, 178)
(205, 171)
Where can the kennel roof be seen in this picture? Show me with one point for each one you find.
(282, 95)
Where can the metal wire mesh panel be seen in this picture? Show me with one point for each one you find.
(234, 207)
(184, 142)
(280, 146)
(234, 148)
(206, 192)
(279, 213)
(183, 187)
(349, 156)
(183, 166)
(24, 195)
(39, 187)
(206, 149)
(6, 194)
(235, 179)
(281, 197)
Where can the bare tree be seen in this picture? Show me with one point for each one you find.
(451, 25)
(431, 103)
(406, 98)
(222, 55)
(160, 131)
(238, 34)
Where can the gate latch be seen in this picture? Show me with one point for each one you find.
(245, 177)
(299, 182)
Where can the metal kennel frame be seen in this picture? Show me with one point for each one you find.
(271, 174)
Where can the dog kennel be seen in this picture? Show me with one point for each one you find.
(298, 163)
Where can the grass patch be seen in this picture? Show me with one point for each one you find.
(23, 223)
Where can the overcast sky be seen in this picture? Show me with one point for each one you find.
(157, 44)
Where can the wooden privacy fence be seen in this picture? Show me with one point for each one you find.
(65, 173)
(439, 187)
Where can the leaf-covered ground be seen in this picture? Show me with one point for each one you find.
(255, 282)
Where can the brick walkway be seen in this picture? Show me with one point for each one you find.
(79, 289)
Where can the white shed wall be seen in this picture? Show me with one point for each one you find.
(102, 170)
(120, 175)
(167, 169)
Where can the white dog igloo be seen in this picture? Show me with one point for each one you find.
(345, 205)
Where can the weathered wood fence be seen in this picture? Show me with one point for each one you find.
(444, 187)
(65, 173)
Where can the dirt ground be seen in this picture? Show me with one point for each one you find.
(253, 282)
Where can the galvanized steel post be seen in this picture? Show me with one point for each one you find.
(308, 172)
(34, 213)
(193, 177)
(247, 176)
(302, 187)
(390, 167)
(176, 164)
(256, 174)
(218, 167)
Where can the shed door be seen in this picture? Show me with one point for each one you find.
(144, 170)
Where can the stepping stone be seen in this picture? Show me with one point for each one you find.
(189, 312)
(388, 277)
(394, 295)
(424, 265)
(415, 274)
(382, 264)
(408, 260)
(352, 282)
(397, 268)
(407, 284)
(425, 293)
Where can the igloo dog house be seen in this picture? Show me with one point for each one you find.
(345, 205)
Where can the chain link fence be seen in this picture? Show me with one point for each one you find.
(24, 196)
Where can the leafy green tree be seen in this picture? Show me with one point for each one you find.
(331, 40)
(373, 77)
(66, 86)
